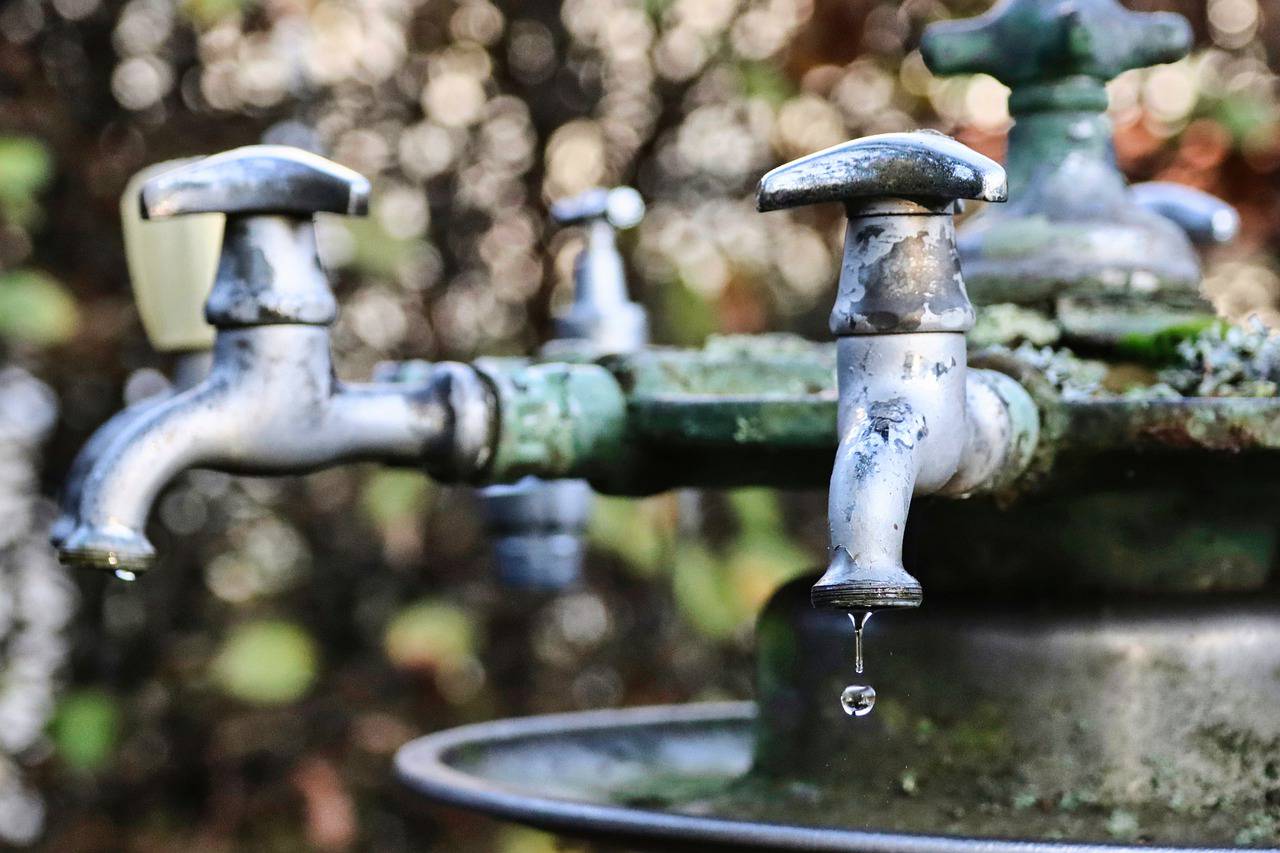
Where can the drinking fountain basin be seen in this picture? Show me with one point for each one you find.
(1078, 726)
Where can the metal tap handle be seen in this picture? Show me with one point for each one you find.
(923, 166)
(257, 179)
(1207, 219)
(1029, 42)
(268, 272)
(621, 207)
(900, 272)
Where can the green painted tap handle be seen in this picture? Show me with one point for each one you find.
(1027, 42)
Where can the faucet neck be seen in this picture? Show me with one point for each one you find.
(900, 273)
(269, 274)
(1041, 140)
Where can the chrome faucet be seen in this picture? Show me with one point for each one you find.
(912, 419)
(536, 526)
(271, 402)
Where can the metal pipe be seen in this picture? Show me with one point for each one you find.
(271, 405)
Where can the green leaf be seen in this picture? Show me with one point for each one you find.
(377, 253)
(36, 308)
(631, 530)
(687, 318)
(765, 81)
(266, 662)
(86, 729)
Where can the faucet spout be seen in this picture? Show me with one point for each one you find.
(270, 406)
(871, 487)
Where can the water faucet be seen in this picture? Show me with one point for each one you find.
(536, 526)
(912, 419)
(271, 403)
(171, 267)
(1103, 259)
(602, 319)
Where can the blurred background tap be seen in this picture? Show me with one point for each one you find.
(537, 527)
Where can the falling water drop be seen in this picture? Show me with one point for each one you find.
(126, 575)
(859, 621)
(857, 700)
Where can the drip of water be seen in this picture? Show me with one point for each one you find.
(126, 575)
(857, 700)
(859, 621)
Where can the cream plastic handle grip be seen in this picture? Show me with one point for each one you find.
(172, 263)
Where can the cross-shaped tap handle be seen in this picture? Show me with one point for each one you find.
(1028, 43)
(900, 271)
(257, 179)
(621, 207)
(923, 166)
(268, 272)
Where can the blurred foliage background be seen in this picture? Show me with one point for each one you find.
(249, 693)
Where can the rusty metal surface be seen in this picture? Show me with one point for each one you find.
(899, 319)
(1073, 228)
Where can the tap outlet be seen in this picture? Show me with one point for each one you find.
(271, 403)
(912, 419)
(171, 268)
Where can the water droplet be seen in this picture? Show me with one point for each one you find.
(859, 621)
(857, 700)
(126, 575)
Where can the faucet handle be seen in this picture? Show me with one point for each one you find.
(257, 179)
(1029, 42)
(1206, 219)
(924, 166)
(621, 207)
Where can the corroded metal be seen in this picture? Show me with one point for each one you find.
(765, 410)
(1073, 230)
(900, 315)
(536, 526)
(920, 165)
(171, 264)
(1054, 712)
(554, 420)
